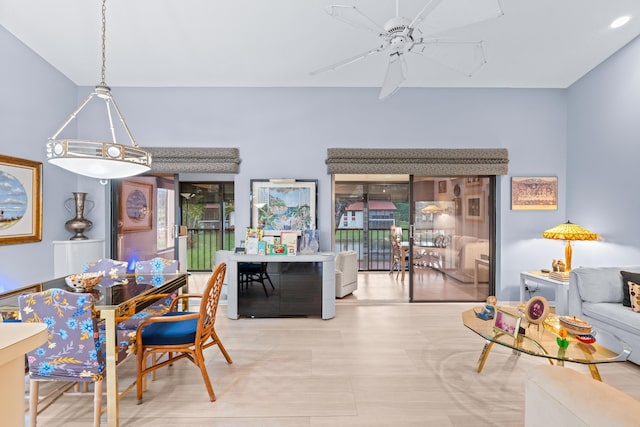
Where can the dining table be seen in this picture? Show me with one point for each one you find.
(116, 299)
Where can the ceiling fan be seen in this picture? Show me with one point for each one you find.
(400, 36)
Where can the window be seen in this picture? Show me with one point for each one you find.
(165, 218)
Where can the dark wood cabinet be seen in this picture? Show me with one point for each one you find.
(296, 291)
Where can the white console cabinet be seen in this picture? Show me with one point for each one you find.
(70, 255)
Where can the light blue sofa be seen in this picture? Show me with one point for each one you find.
(595, 295)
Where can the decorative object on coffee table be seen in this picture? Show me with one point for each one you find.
(506, 323)
(536, 310)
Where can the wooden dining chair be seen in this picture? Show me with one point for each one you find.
(181, 335)
(394, 252)
(73, 352)
(399, 256)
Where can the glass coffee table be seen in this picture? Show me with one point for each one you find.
(540, 340)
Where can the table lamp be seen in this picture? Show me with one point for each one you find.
(569, 231)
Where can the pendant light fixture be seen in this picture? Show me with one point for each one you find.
(99, 159)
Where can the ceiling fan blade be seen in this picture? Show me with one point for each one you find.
(466, 57)
(350, 60)
(427, 9)
(442, 15)
(352, 16)
(396, 74)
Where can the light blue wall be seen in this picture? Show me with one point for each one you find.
(35, 99)
(285, 132)
(603, 153)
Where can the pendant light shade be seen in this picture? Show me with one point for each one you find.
(103, 160)
(99, 159)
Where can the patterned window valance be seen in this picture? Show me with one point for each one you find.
(419, 161)
(194, 160)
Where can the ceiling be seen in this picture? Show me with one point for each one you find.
(277, 43)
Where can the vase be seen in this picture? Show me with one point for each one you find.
(79, 224)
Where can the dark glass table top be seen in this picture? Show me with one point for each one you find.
(111, 291)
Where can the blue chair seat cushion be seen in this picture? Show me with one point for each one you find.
(170, 333)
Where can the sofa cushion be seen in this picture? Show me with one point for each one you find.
(626, 276)
(599, 284)
(557, 396)
(460, 241)
(634, 293)
(615, 315)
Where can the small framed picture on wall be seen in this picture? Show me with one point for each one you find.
(530, 193)
(474, 206)
(136, 200)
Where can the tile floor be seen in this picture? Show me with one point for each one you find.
(377, 363)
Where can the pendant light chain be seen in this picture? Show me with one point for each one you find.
(104, 43)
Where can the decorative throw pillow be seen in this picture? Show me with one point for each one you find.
(634, 293)
(626, 277)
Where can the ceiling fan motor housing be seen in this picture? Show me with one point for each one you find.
(398, 33)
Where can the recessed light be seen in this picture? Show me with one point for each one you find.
(619, 22)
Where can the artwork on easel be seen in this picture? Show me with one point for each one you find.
(309, 242)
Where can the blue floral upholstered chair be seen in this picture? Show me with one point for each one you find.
(112, 270)
(147, 271)
(73, 352)
(151, 273)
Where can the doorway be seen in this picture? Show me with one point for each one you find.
(444, 224)
(151, 210)
(452, 239)
(366, 208)
(145, 212)
(207, 214)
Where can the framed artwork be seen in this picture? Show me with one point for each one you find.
(283, 205)
(278, 249)
(536, 310)
(309, 241)
(457, 206)
(20, 201)
(534, 193)
(136, 206)
(472, 181)
(289, 238)
(506, 323)
(442, 187)
(474, 206)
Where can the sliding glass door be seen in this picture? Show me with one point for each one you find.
(365, 210)
(158, 216)
(453, 235)
(145, 212)
(208, 219)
